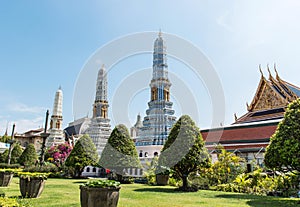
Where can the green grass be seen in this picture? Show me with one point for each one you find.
(65, 193)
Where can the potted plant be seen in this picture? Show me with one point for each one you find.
(32, 184)
(162, 175)
(6, 176)
(100, 193)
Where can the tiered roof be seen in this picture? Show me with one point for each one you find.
(252, 131)
(271, 99)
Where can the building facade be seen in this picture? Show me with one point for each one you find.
(31, 137)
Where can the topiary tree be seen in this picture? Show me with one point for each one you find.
(16, 154)
(29, 156)
(83, 154)
(120, 152)
(184, 151)
(284, 147)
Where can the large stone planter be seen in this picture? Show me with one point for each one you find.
(99, 197)
(5, 178)
(31, 188)
(162, 179)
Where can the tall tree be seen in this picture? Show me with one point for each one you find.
(119, 152)
(284, 147)
(184, 151)
(83, 154)
(29, 156)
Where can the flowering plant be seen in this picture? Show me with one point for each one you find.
(58, 154)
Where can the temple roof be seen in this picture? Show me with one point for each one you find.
(251, 136)
(270, 100)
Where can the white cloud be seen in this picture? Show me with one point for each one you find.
(25, 117)
(23, 108)
(22, 125)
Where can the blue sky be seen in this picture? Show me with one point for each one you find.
(45, 44)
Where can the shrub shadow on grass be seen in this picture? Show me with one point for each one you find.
(263, 201)
(157, 190)
(79, 182)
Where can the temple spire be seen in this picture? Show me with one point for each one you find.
(138, 123)
(159, 33)
(99, 127)
(56, 133)
(160, 83)
(57, 106)
(101, 87)
(160, 115)
(100, 109)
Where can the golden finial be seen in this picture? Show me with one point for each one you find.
(277, 76)
(270, 75)
(159, 33)
(261, 71)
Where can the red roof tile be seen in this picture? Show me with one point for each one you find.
(255, 133)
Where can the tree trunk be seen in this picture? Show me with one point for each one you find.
(184, 183)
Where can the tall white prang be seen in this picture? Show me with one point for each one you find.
(99, 128)
(56, 136)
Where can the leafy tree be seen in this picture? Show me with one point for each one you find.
(29, 156)
(120, 151)
(226, 168)
(184, 151)
(3, 156)
(83, 154)
(16, 154)
(5, 138)
(284, 147)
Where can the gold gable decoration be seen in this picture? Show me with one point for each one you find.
(266, 98)
(269, 99)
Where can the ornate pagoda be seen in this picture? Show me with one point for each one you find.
(159, 118)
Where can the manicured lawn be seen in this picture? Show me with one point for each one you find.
(65, 193)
